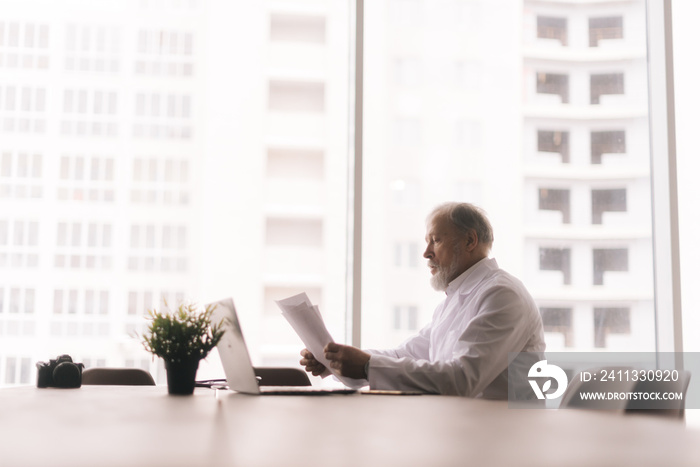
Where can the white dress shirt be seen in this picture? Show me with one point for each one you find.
(486, 314)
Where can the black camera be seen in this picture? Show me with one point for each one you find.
(59, 373)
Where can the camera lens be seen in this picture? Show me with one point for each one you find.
(66, 375)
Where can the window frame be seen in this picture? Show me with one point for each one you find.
(662, 131)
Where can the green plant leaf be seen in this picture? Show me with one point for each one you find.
(183, 334)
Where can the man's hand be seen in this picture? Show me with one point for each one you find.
(310, 363)
(350, 361)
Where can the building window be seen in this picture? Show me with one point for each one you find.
(610, 321)
(613, 83)
(557, 259)
(158, 248)
(552, 28)
(552, 83)
(21, 175)
(18, 301)
(558, 320)
(163, 116)
(604, 28)
(87, 246)
(140, 301)
(556, 200)
(19, 244)
(608, 259)
(296, 96)
(406, 255)
(86, 178)
(144, 364)
(405, 318)
(554, 141)
(299, 164)
(606, 142)
(10, 369)
(160, 181)
(78, 328)
(92, 49)
(90, 113)
(84, 302)
(24, 45)
(25, 370)
(100, 362)
(297, 28)
(294, 232)
(164, 53)
(24, 109)
(71, 308)
(607, 201)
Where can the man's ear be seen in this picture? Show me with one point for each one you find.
(472, 240)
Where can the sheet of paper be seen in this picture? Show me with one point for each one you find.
(305, 318)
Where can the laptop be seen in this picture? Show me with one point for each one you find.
(238, 368)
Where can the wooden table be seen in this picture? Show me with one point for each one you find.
(143, 426)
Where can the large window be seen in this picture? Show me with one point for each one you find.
(181, 149)
(562, 167)
(169, 150)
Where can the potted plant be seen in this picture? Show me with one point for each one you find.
(181, 338)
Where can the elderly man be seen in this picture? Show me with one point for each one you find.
(486, 314)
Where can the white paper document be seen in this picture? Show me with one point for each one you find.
(305, 318)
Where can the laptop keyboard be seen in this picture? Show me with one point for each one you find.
(303, 390)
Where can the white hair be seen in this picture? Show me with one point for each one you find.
(466, 217)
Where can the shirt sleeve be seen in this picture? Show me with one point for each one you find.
(415, 347)
(502, 324)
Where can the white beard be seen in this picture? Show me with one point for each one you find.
(444, 275)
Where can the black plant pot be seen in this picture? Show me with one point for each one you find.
(181, 376)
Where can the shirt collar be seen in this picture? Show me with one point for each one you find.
(466, 281)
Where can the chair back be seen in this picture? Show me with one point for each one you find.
(572, 396)
(672, 408)
(118, 377)
(281, 376)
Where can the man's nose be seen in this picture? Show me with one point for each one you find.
(428, 253)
